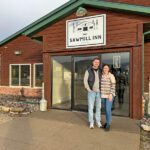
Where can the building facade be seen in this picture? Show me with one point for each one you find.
(59, 47)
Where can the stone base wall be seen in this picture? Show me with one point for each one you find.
(18, 105)
(19, 100)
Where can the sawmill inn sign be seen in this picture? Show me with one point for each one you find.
(86, 32)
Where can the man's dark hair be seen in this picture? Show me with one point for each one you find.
(96, 58)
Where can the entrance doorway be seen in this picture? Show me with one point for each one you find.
(68, 91)
(61, 82)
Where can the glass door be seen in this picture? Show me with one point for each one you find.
(68, 90)
(119, 63)
(61, 82)
(81, 63)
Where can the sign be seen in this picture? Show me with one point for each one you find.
(86, 32)
(116, 61)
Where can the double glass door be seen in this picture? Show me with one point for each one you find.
(68, 90)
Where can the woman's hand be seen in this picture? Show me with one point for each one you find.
(110, 97)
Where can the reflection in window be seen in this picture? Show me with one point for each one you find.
(61, 93)
(15, 75)
(20, 75)
(38, 75)
(25, 75)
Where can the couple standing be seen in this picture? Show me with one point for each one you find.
(100, 85)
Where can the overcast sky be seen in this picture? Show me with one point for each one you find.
(17, 14)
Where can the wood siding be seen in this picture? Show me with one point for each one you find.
(121, 29)
(136, 90)
(31, 53)
(146, 65)
(134, 2)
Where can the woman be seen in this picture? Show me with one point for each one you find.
(108, 84)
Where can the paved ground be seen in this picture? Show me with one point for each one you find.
(65, 130)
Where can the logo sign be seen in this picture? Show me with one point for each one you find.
(86, 32)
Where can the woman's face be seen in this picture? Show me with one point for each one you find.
(106, 69)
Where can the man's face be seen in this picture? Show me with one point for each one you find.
(96, 63)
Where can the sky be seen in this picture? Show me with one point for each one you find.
(17, 14)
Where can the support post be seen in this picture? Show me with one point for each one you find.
(149, 99)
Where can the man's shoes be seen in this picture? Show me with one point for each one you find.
(99, 125)
(91, 126)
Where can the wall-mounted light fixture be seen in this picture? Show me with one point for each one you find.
(5, 47)
(81, 12)
(18, 52)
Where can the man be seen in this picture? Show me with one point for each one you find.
(92, 84)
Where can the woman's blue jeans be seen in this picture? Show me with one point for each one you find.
(94, 98)
(107, 107)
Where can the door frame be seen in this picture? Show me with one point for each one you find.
(88, 52)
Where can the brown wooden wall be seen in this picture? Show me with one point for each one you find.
(31, 53)
(134, 2)
(146, 65)
(122, 30)
(136, 87)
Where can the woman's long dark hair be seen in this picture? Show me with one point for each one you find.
(107, 66)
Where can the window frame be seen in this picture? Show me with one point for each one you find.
(10, 75)
(34, 66)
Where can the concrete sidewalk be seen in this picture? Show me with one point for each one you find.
(65, 130)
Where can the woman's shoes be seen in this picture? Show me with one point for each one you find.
(106, 127)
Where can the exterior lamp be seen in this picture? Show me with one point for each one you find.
(18, 52)
(81, 12)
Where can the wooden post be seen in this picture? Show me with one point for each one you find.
(149, 99)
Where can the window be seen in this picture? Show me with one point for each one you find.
(38, 75)
(20, 75)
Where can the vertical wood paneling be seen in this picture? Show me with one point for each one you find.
(122, 29)
(47, 78)
(146, 65)
(137, 82)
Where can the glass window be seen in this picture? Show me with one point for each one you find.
(20, 75)
(25, 75)
(15, 75)
(38, 75)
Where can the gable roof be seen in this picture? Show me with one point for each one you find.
(70, 7)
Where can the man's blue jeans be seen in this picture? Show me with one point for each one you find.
(94, 98)
(107, 107)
